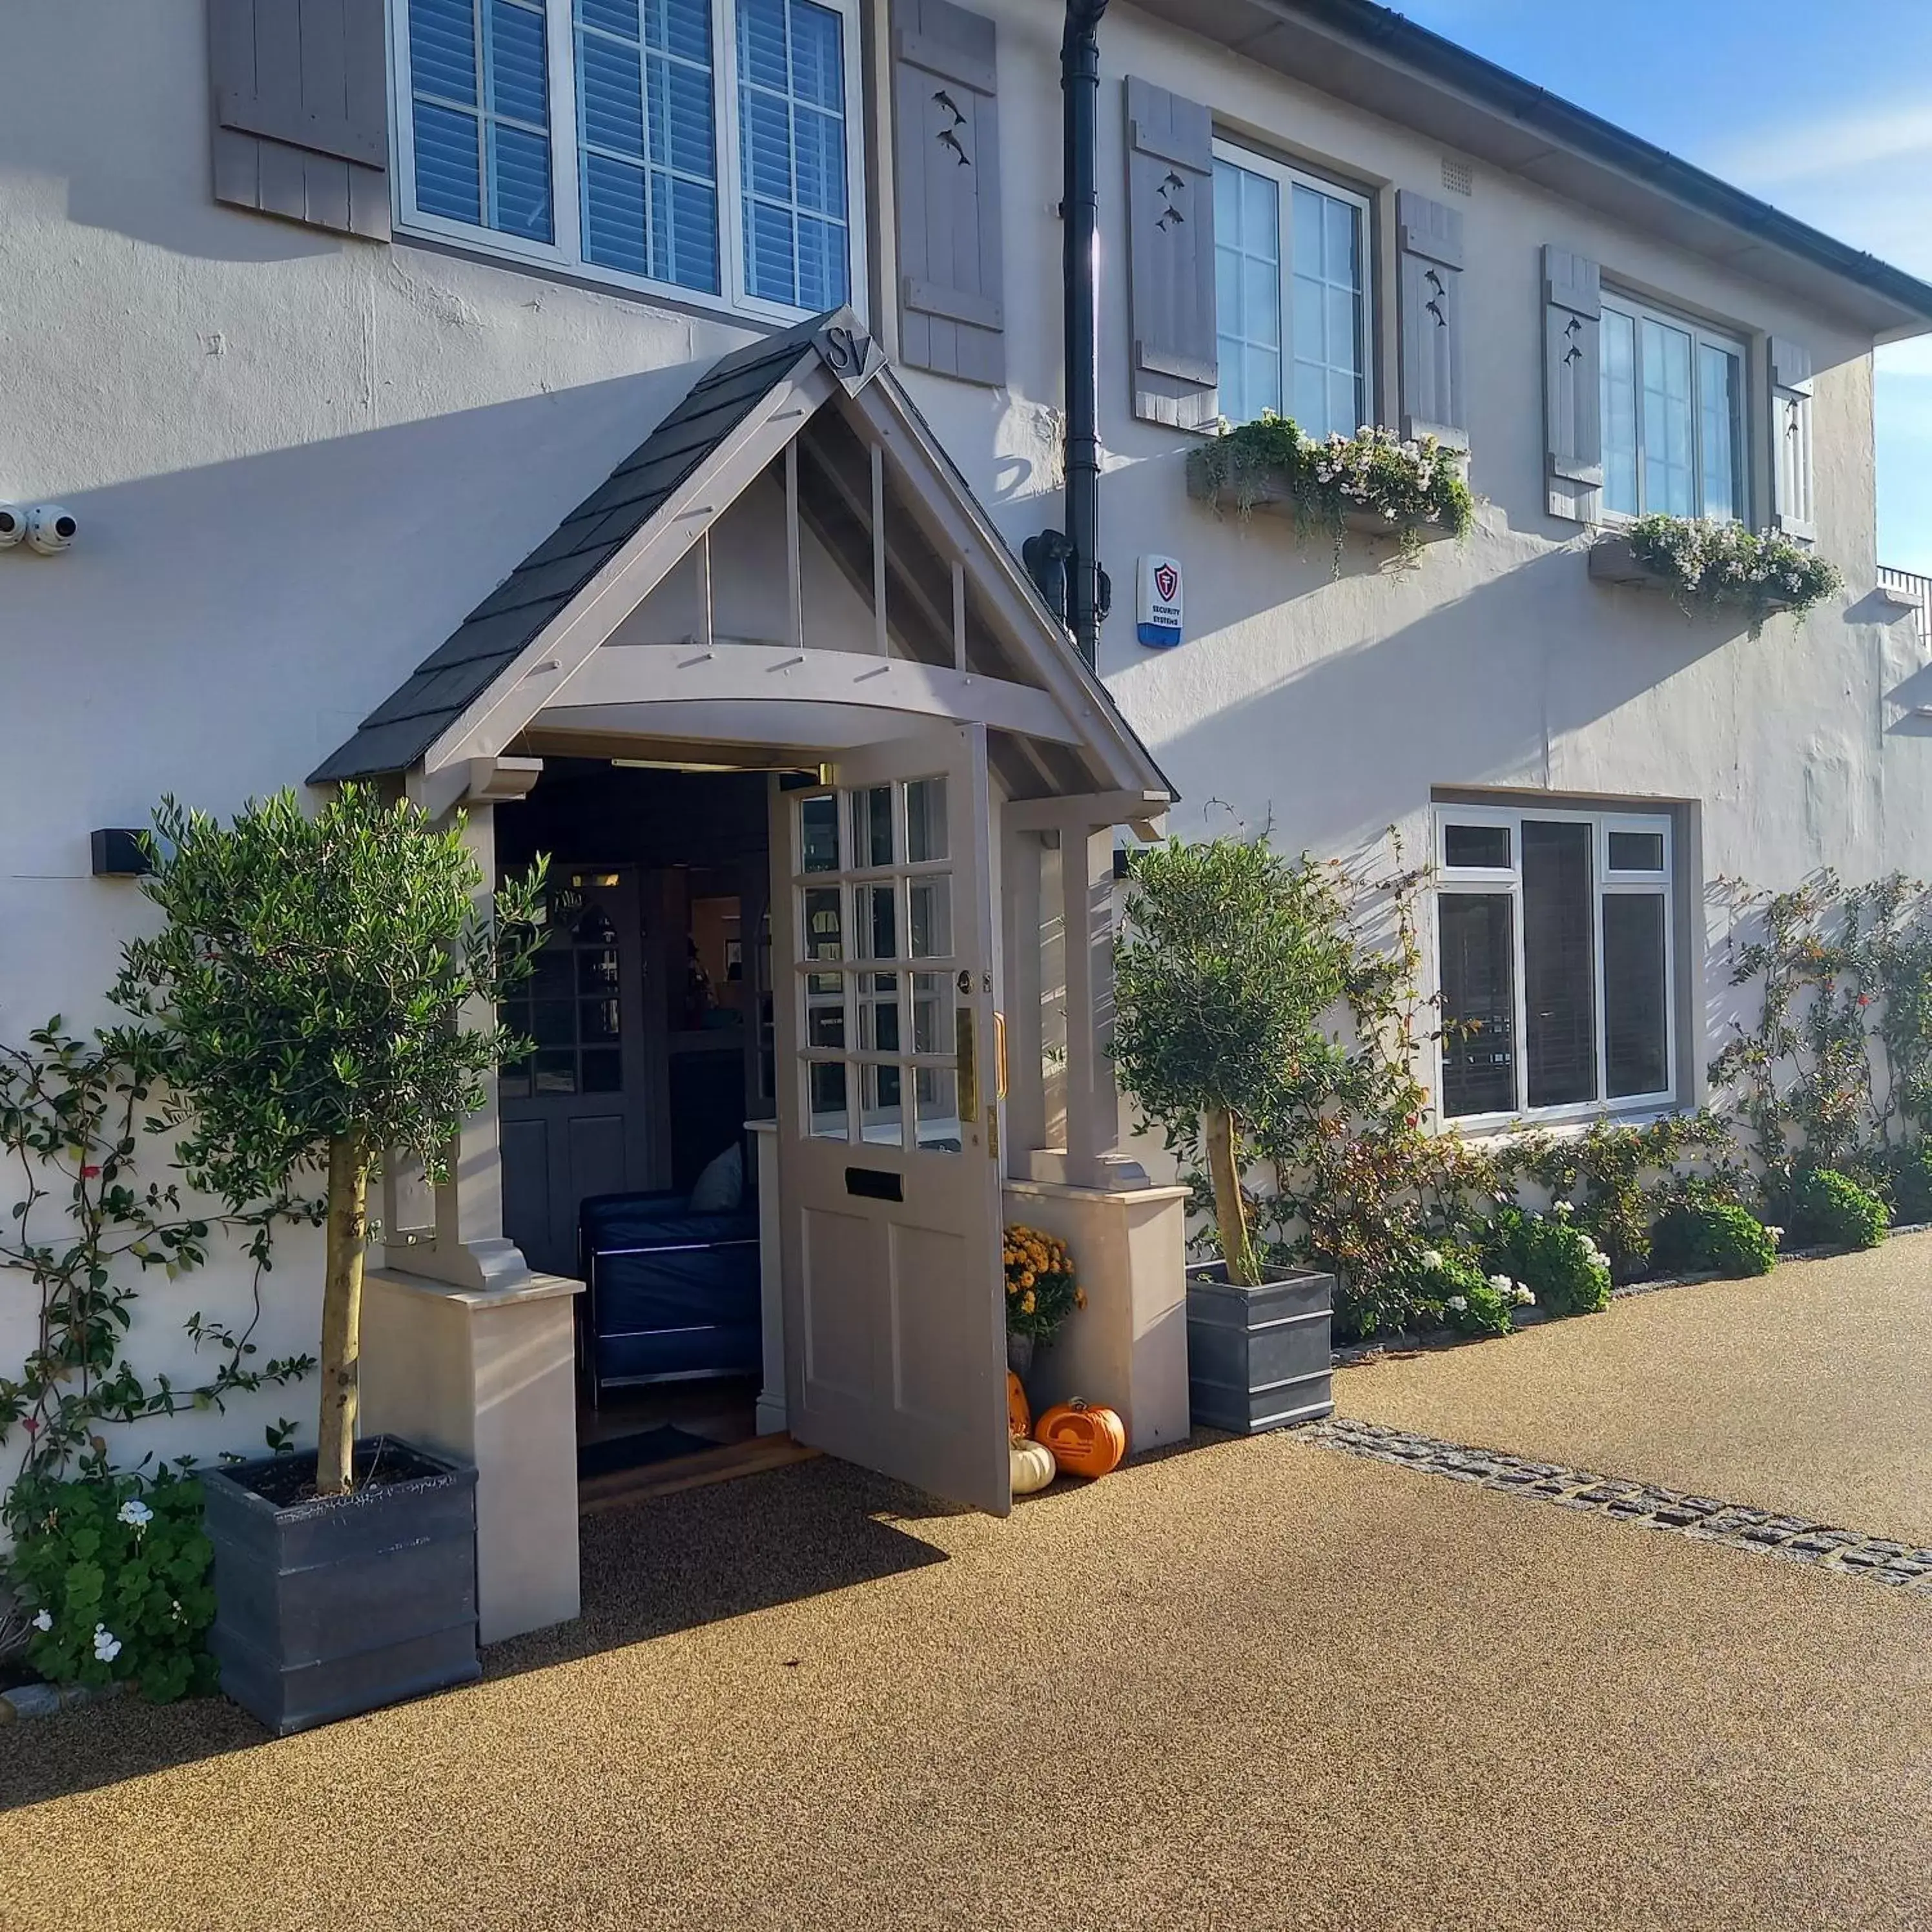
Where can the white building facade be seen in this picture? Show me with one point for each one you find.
(327, 318)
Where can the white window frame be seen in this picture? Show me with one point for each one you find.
(1702, 336)
(1286, 178)
(566, 254)
(1489, 881)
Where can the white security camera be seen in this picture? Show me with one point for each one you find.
(13, 525)
(51, 529)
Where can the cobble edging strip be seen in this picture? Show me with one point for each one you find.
(48, 1700)
(1850, 1552)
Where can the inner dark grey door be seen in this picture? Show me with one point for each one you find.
(574, 1117)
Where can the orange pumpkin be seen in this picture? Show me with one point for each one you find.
(1019, 1415)
(1086, 1440)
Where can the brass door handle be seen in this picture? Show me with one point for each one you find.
(966, 1055)
(1000, 1053)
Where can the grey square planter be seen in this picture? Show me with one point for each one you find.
(332, 1605)
(1257, 1358)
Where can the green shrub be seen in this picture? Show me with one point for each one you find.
(117, 1575)
(1553, 1257)
(1446, 1288)
(1715, 1237)
(1907, 1174)
(1831, 1210)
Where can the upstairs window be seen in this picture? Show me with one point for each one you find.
(1290, 265)
(1557, 961)
(706, 147)
(1673, 415)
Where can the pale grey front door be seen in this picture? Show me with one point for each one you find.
(888, 1160)
(574, 1117)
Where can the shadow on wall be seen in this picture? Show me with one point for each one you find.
(674, 1564)
(217, 631)
(1480, 689)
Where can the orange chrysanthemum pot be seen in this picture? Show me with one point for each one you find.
(1019, 1413)
(1086, 1440)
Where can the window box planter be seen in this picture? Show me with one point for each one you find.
(1269, 492)
(1613, 561)
(1257, 1358)
(1715, 567)
(328, 1605)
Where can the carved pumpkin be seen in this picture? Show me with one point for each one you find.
(1033, 1465)
(1019, 1414)
(1085, 1440)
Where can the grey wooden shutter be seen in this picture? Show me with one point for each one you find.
(1573, 393)
(1171, 257)
(1793, 510)
(1430, 295)
(300, 109)
(951, 316)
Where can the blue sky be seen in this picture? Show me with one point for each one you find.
(1825, 110)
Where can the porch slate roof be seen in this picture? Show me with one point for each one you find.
(408, 722)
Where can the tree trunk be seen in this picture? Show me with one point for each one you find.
(342, 1316)
(1224, 1167)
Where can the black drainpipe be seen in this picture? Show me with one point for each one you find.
(1067, 566)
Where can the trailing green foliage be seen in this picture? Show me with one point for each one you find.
(1716, 1238)
(1831, 1210)
(115, 1574)
(1721, 565)
(1411, 487)
(1558, 1261)
(1446, 1287)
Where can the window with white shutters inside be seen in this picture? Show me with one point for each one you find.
(1555, 960)
(705, 147)
(1673, 415)
(1291, 294)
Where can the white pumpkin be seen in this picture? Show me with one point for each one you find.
(1033, 1464)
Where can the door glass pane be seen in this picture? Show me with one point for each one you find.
(1667, 419)
(557, 1071)
(925, 820)
(1328, 313)
(1635, 1035)
(872, 827)
(1619, 354)
(931, 1012)
(875, 911)
(825, 1011)
(1636, 851)
(879, 1012)
(882, 1118)
(825, 1087)
(1247, 281)
(824, 936)
(1558, 969)
(931, 918)
(1719, 401)
(818, 833)
(936, 1109)
(1487, 846)
(1478, 946)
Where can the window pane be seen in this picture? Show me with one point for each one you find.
(936, 1109)
(825, 1088)
(1558, 968)
(1666, 420)
(818, 833)
(1619, 355)
(879, 1012)
(931, 918)
(925, 820)
(824, 932)
(1720, 398)
(1328, 394)
(1634, 993)
(874, 912)
(931, 1012)
(1478, 946)
(792, 150)
(1487, 846)
(1636, 851)
(1247, 279)
(872, 827)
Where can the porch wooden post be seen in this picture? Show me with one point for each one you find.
(1020, 910)
(1093, 1101)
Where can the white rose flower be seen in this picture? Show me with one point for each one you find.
(1523, 1297)
(1460, 1302)
(1432, 1258)
(106, 1644)
(135, 1513)
(1501, 1283)
(1562, 1209)
(44, 1620)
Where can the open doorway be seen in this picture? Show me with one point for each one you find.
(626, 1155)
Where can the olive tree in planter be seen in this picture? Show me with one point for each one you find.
(1227, 962)
(326, 987)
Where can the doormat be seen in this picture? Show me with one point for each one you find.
(635, 1452)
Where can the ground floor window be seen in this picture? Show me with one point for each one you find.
(1556, 959)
